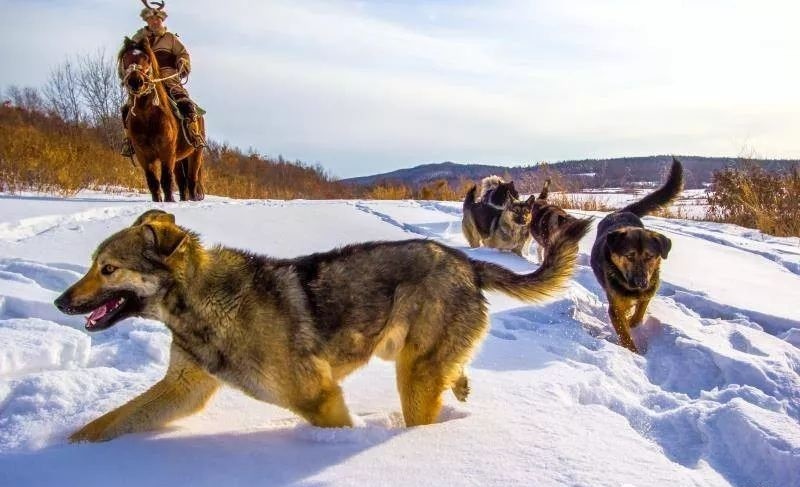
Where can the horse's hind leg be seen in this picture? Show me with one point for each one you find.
(181, 169)
(194, 171)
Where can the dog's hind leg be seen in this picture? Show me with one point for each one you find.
(460, 387)
(470, 231)
(421, 383)
(184, 390)
(436, 352)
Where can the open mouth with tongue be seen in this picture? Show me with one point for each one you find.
(111, 311)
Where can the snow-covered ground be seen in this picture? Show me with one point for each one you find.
(555, 401)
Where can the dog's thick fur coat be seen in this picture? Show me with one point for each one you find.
(626, 258)
(287, 331)
(496, 219)
(546, 220)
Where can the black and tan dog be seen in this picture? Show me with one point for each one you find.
(481, 214)
(496, 218)
(546, 220)
(626, 257)
(510, 230)
(287, 331)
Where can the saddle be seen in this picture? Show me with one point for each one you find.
(184, 126)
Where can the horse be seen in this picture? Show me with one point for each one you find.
(154, 130)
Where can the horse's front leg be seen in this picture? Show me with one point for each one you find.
(167, 175)
(152, 180)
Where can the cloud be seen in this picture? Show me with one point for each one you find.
(362, 87)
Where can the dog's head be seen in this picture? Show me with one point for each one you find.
(637, 254)
(522, 211)
(130, 272)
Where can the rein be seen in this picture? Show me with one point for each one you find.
(148, 86)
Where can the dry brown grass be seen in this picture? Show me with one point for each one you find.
(583, 202)
(754, 198)
(388, 191)
(41, 152)
(678, 212)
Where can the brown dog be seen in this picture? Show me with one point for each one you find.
(288, 331)
(546, 220)
(626, 257)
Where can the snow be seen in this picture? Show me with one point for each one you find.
(714, 401)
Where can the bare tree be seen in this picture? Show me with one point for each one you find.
(102, 94)
(27, 97)
(63, 93)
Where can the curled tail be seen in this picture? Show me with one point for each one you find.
(662, 196)
(469, 199)
(545, 190)
(546, 281)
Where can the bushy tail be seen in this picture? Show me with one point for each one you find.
(546, 281)
(545, 191)
(488, 184)
(662, 196)
(469, 199)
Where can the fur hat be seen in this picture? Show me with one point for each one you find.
(149, 12)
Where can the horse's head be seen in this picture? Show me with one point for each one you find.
(136, 66)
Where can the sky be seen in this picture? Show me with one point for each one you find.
(368, 87)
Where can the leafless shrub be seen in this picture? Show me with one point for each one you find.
(62, 93)
(754, 198)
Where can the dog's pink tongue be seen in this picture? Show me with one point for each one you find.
(98, 313)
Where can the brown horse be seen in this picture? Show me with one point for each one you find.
(154, 130)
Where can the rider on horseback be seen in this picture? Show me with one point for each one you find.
(172, 58)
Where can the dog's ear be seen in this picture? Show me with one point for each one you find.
(151, 216)
(664, 244)
(614, 238)
(164, 237)
(512, 190)
(531, 200)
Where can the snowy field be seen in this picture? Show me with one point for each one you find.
(555, 401)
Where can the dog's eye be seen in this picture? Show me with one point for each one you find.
(630, 256)
(108, 269)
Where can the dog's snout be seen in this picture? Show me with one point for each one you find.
(63, 304)
(640, 281)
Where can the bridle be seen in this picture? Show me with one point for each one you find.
(148, 83)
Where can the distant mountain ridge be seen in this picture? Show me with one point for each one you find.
(592, 173)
